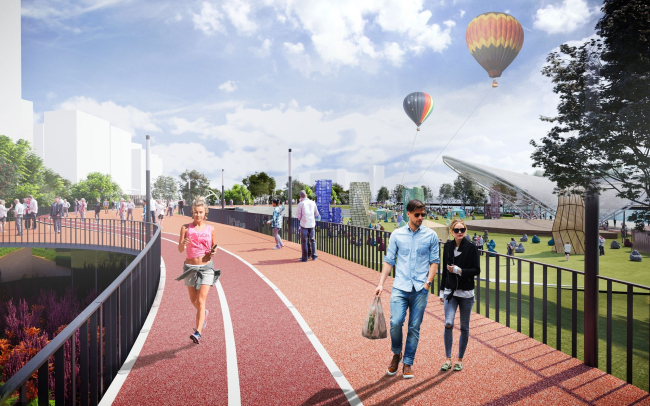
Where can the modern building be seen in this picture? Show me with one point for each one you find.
(16, 114)
(376, 180)
(344, 178)
(528, 194)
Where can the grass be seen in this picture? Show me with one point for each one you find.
(4, 250)
(49, 254)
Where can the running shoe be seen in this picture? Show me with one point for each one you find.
(205, 321)
(277, 247)
(196, 337)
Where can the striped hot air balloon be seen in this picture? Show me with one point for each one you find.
(418, 106)
(494, 39)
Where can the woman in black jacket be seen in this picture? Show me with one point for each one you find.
(460, 264)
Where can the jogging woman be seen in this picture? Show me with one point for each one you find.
(276, 223)
(198, 271)
(460, 264)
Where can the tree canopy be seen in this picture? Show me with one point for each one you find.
(239, 194)
(198, 184)
(428, 194)
(260, 184)
(396, 193)
(446, 192)
(164, 187)
(97, 186)
(383, 194)
(468, 192)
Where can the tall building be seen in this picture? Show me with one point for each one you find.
(16, 114)
(376, 180)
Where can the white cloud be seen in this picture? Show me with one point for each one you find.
(298, 59)
(462, 13)
(229, 86)
(238, 12)
(209, 21)
(564, 18)
(128, 118)
(264, 50)
(394, 53)
(177, 157)
(63, 9)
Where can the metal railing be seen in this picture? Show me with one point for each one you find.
(545, 302)
(99, 339)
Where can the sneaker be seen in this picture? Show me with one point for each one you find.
(394, 363)
(205, 321)
(314, 258)
(196, 337)
(277, 247)
(407, 372)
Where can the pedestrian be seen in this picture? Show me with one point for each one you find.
(567, 250)
(129, 209)
(144, 210)
(82, 208)
(160, 212)
(601, 244)
(199, 273)
(152, 205)
(460, 265)
(485, 237)
(480, 245)
(180, 208)
(27, 215)
(76, 207)
(170, 208)
(56, 212)
(3, 215)
(33, 210)
(122, 209)
(66, 208)
(614, 223)
(98, 208)
(306, 214)
(414, 273)
(276, 223)
(19, 212)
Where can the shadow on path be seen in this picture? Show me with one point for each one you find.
(147, 360)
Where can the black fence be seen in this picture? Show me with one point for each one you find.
(543, 301)
(80, 363)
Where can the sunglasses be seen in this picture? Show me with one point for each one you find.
(419, 215)
(459, 230)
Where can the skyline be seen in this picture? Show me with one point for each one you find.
(234, 84)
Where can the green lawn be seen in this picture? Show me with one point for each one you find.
(5, 250)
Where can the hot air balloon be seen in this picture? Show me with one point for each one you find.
(418, 106)
(494, 39)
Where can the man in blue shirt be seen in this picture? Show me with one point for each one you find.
(414, 251)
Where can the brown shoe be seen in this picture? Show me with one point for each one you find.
(406, 371)
(394, 363)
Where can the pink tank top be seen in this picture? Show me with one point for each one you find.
(200, 241)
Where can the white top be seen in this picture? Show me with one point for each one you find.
(159, 209)
(130, 205)
(19, 210)
(3, 212)
(33, 206)
(152, 203)
(567, 247)
(307, 213)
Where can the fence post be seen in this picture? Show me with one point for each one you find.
(591, 280)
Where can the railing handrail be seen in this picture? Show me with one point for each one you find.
(25, 373)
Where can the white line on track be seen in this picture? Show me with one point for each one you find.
(123, 373)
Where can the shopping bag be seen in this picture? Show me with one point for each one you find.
(375, 324)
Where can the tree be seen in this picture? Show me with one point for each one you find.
(296, 187)
(427, 193)
(54, 185)
(164, 187)
(446, 192)
(239, 194)
(383, 195)
(397, 193)
(96, 186)
(601, 135)
(198, 184)
(342, 195)
(468, 192)
(259, 184)
(8, 179)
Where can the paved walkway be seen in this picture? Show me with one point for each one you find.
(282, 311)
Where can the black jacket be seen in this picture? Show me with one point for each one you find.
(56, 210)
(468, 261)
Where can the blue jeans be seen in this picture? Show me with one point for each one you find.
(57, 223)
(465, 304)
(415, 302)
(276, 235)
(308, 243)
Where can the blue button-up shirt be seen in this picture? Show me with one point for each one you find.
(412, 253)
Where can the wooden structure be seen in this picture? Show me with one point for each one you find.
(569, 224)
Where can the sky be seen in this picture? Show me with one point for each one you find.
(234, 84)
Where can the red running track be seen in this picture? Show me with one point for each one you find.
(277, 363)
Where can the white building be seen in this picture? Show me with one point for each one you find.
(16, 114)
(376, 180)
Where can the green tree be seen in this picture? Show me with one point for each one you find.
(8, 179)
(601, 136)
(428, 195)
(198, 184)
(239, 194)
(260, 184)
(96, 186)
(54, 185)
(164, 187)
(446, 193)
(383, 195)
(296, 187)
(342, 195)
(397, 193)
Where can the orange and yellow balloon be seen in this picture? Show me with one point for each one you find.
(494, 39)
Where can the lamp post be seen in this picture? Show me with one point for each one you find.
(148, 186)
(290, 195)
(223, 193)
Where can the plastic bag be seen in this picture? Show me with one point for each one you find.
(375, 324)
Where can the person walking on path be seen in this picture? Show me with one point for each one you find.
(276, 223)
(513, 244)
(122, 209)
(3, 215)
(199, 273)
(129, 209)
(82, 208)
(415, 253)
(306, 214)
(567, 250)
(19, 212)
(160, 212)
(601, 244)
(27, 216)
(33, 211)
(152, 207)
(105, 206)
(66, 208)
(98, 209)
(76, 208)
(56, 212)
(460, 265)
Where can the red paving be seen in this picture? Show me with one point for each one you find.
(278, 365)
